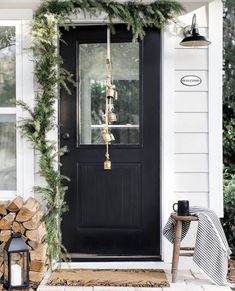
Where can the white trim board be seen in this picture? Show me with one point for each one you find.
(15, 14)
(25, 92)
(167, 135)
(215, 15)
(28, 97)
(33, 4)
(9, 194)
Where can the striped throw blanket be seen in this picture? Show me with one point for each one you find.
(211, 248)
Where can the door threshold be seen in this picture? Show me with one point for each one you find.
(115, 265)
(77, 257)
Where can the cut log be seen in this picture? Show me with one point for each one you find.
(39, 253)
(14, 216)
(5, 222)
(33, 244)
(38, 234)
(22, 229)
(5, 235)
(10, 217)
(2, 248)
(18, 227)
(37, 266)
(28, 210)
(16, 204)
(24, 237)
(1, 273)
(3, 207)
(35, 221)
(36, 276)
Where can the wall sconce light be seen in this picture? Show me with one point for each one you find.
(192, 36)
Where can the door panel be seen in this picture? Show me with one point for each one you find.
(117, 212)
(95, 192)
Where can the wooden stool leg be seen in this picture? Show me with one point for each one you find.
(176, 250)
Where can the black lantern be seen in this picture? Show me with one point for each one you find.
(192, 36)
(16, 263)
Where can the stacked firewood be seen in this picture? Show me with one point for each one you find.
(25, 217)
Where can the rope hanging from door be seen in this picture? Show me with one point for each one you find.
(110, 116)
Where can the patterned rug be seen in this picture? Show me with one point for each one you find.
(124, 278)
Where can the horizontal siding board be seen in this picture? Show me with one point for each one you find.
(24, 13)
(196, 59)
(191, 122)
(192, 182)
(191, 102)
(201, 87)
(194, 143)
(202, 15)
(195, 199)
(191, 163)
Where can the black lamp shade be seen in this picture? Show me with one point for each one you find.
(192, 36)
(195, 40)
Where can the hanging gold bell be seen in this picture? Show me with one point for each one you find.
(112, 117)
(107, 165)
(107, 137)
(110, 93)
(112, 137)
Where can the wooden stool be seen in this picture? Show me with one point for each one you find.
(177, 241)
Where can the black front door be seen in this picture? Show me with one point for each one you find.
(112, 213)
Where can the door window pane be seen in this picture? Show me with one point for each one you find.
(7, 66)
(125, 73)
(7, 152)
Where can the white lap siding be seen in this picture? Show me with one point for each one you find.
(191, 123)
(193, 120)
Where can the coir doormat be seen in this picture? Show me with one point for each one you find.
(127, 278)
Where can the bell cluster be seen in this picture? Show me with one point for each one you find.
(110, 116)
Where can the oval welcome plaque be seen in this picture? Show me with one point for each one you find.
(191, 80)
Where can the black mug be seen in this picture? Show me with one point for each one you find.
(182, 207)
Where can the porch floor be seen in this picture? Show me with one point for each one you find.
(189, 278)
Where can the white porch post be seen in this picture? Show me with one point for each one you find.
(167, 143)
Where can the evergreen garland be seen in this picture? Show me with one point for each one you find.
(50, 76)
